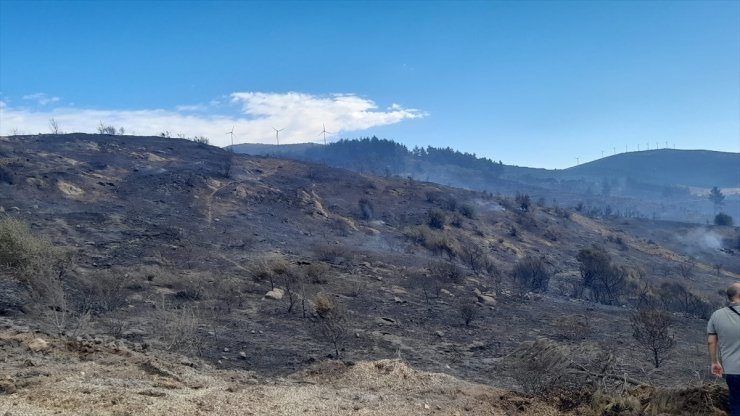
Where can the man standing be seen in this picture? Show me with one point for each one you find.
(724, 330)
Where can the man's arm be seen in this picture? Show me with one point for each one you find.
(716, 366)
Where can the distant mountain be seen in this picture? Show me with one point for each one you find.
(699, 168)
(664, 167)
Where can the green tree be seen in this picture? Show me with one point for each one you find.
(717, 198)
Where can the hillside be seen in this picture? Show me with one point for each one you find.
(698, 168)
(659, 184)
(178, 248)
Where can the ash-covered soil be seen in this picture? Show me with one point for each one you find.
(185, 228)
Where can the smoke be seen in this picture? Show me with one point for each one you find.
(704, 239)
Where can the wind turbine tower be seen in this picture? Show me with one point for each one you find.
(232, 137)
(277, 135)
(324, 132)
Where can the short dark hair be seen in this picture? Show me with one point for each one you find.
(732, 291)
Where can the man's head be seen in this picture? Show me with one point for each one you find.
(733, 292)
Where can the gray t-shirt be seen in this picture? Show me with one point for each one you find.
(726, 325)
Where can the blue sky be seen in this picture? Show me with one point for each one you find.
(533, 83)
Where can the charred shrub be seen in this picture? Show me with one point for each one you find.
(651, 329)
(445, 271)
(6, 176)
(530, 275)
(366, 209)
(436, 219)
(467, 211)
(677, 297)
(468, 312)
(720, 219)
(605, 282)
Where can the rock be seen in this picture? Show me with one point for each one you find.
(38, 345)
(275, 294)
(477, 346)
(439, 334)
(226, 349)
(133, 332)
(7, 386)
(242, 355)
(446, 292)
(386, 321)
(485, 298)
(398, 300)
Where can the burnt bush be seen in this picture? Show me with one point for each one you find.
(467, 211)
(677, 297)
(530, 275)
(6, 176)
(366, 209)
(523, 201)
(651, 329)
(436, 219)
(445, 271)
(468, 312)
(331, 324)
(335, 254)
(720, 219)
(605, 282)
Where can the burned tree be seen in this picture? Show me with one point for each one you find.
(651, 329)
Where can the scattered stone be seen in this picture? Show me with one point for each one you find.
(38, 345)
(134, 332)
(187, 363)
(7, 386)
(275, 294)
(386, 321)
(485, 298)
(152, 393)
(477, 346)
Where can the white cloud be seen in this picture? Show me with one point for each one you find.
(41, 98)
(301, 115)
(191, 108)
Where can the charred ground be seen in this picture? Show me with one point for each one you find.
(198, 231)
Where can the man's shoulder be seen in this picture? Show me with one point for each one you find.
(719, 312)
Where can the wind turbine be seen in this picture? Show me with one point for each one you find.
(324, 132)
(277, 134)
(232, 137)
